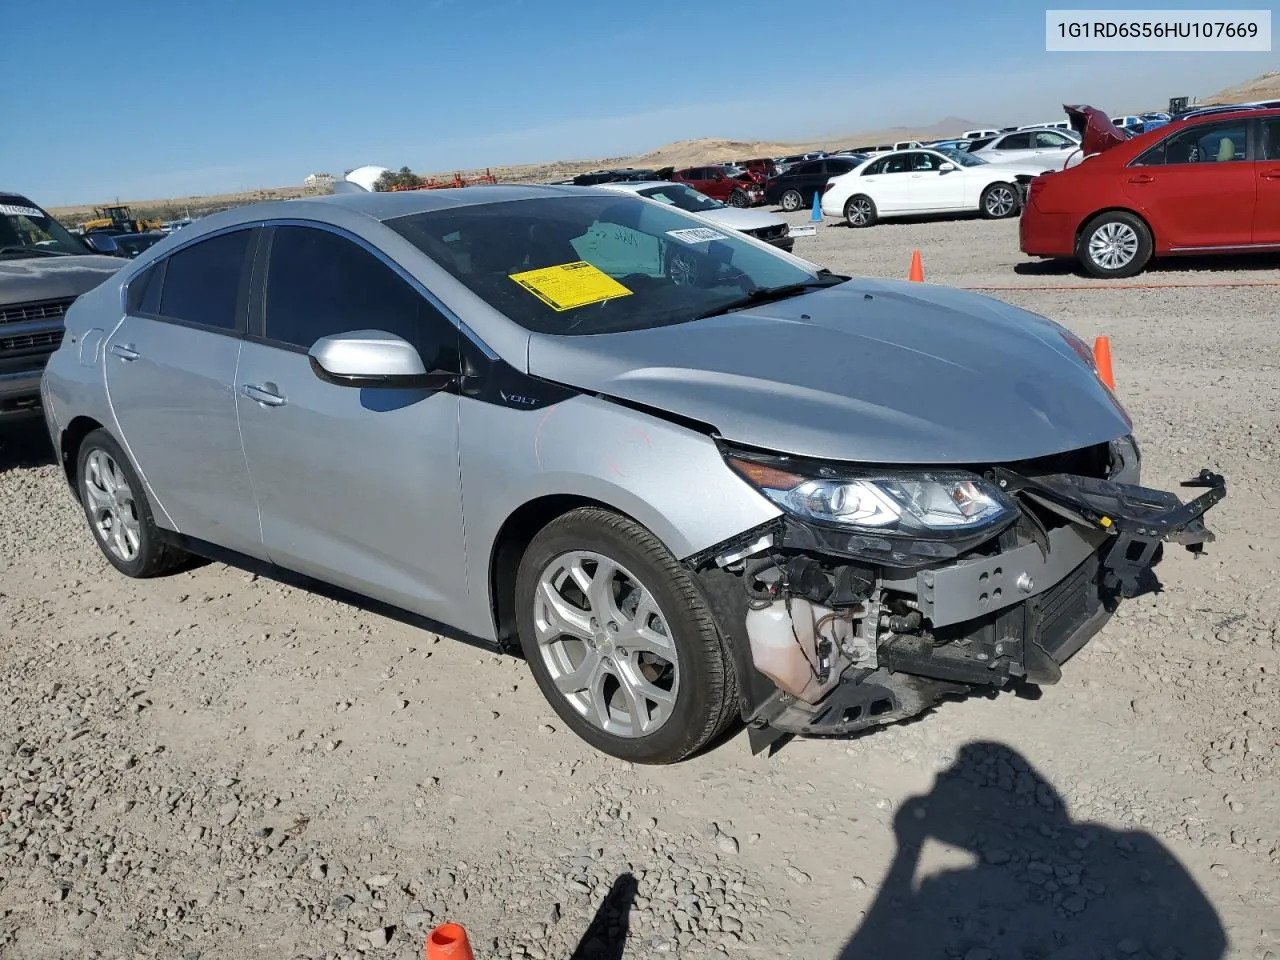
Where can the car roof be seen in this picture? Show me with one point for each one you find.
(404, 203)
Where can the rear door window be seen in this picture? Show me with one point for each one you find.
(206, 283)
(1044, 140)
(1271, 139)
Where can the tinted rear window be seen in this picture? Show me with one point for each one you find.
(202, 282)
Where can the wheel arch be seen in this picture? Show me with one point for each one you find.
(69, 447)
(1115, 208)
(509, 546)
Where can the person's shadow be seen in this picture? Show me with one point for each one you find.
(606, 936)
(1043, 887)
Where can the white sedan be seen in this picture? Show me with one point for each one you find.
(928, 181)
(1048, 147)
(769, 227)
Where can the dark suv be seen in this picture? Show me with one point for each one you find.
(43, 269)
(796, 187)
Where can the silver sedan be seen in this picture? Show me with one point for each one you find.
(688, 476)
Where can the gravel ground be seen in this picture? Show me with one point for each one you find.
(214, 765)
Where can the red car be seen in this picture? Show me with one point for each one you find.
(715, 182)
(1201, 185)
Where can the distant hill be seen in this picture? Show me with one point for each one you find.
(682, 153)
(1265, 87)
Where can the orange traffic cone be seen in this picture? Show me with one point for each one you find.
(1102, 357)
(448, 942)
(917, 268)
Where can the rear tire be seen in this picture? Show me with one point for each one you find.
(860, 211)
(791, 201)
(575, 639)
(119, 514)
(1115, 244)
(999, 201)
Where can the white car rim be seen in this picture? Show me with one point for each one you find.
(606, 644)
(113, 511)
(859, 211)
(1000, 201)
(1113, 245)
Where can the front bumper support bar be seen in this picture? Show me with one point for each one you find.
(1140, 518)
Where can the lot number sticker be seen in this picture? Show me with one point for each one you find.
(10, 210)
(696, 235)
(570, 285)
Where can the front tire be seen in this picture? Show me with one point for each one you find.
(792, 201)
(620, 640)
(1114, 244)
(999, 201)
(860, 211)
(115, 504)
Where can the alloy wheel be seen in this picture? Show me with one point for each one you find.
(1001, 201)
(606, 644)
(112, 508)
(1113, 245)
(859, 211)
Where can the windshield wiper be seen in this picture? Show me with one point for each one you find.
(774, 294)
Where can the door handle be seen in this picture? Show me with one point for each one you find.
(1271, 174)
(125, 352)
(263, 394)
(1141, 178)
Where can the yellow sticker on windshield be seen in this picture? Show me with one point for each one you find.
(570, 285)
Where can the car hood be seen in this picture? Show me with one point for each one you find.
(1097, 131)
(53, 278)
(739, 219)
(870, 371)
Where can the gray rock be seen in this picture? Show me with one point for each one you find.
(228, 812)
(1074, 903)
(727, 844)
(797, 875)
(379, 937)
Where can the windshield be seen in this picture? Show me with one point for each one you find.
(960, 157)
(683, 198)
(27, 231)
(583, 264)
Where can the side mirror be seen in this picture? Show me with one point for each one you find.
(102, 243)
(946, 167)
(373, 358)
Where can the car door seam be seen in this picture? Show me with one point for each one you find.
(244, 452)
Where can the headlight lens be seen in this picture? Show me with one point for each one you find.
(928, 503)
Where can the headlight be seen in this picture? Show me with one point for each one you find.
(920, 503)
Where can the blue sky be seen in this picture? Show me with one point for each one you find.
(147, 99)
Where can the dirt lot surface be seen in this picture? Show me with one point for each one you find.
(212, 765)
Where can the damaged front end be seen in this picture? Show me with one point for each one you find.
(878, 593)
